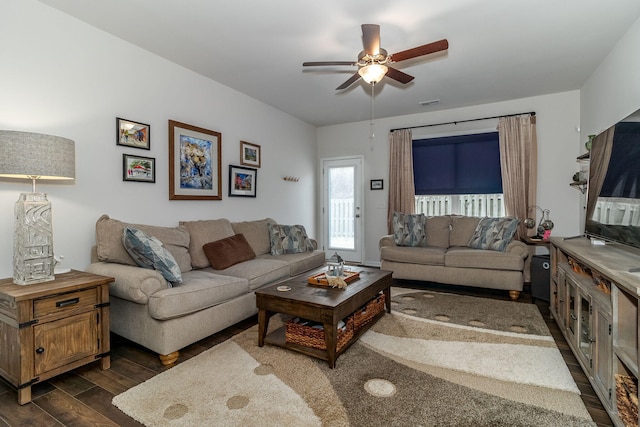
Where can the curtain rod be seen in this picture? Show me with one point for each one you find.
(533, 113)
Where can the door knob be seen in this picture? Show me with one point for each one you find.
(39, 350)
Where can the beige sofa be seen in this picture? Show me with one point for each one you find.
(446, 258)
(148, 310)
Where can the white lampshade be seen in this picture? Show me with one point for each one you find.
(34, 156)
(372, 73)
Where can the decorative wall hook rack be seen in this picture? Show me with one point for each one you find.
(291, 178)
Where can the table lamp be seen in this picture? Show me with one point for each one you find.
(34, 156)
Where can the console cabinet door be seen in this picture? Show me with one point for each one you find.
(562, 299)
(573, 302)
(601, 355)
(585, 333)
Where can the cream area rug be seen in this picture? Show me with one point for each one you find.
(437, 360)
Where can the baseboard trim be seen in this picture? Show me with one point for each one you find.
(372, 264)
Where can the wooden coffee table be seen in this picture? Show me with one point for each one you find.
(321, 304)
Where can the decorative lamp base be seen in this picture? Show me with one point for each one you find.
(33, 260)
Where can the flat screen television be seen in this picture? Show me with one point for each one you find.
(613, 195)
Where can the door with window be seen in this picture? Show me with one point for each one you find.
(342, 214)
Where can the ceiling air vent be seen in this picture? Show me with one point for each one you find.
(429, 103)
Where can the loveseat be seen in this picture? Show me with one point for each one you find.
(456, 250)
(165, 317)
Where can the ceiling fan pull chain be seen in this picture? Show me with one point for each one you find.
(373, 94)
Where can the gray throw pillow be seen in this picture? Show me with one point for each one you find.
(148, 252)
(494, 233)
(409, 229)
(289, 239)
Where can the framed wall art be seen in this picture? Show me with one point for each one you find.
(194, 163)
(377, 184)
(133, 134)
(250, 154)
(242, 181)
(138, 168)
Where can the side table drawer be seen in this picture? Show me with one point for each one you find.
(65, 303)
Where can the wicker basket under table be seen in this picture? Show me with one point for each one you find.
(370, 310)
(297, 333)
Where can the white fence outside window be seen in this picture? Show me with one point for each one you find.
(490, 205)
(342, 222)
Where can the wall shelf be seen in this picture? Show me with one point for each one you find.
(580, 185)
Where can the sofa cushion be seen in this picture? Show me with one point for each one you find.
(289, 239)
(203, 232)
(258, 271)
(109, 246)
(300, 262)
(408, 229)
(462, 228)
(200, 289)
(485, 259)
(430, 255)
(494, 233)
(437, 229)
(147, 252)
(256, 233)
(229, 251)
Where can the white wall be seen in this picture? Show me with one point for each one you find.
(558, 117)
(63, 77)
(613, 90)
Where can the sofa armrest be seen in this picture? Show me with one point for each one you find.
(518, 247)
(386, 241)
(131, 283)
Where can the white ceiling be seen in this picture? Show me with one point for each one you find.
(498, 49)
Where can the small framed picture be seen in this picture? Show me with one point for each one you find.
(133, 134)
(250, 154)
(195, 157)
(242, 181)
(377, 184)
(137, 168)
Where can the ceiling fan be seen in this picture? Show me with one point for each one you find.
(373, 61)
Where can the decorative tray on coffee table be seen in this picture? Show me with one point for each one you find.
(321, 278)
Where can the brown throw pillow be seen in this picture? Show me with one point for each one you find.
(228, 251)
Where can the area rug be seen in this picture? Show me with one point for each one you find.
(437, 360)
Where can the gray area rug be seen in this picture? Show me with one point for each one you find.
(437, 360)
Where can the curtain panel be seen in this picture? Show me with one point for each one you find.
(519, 166)
(402, 191)
(598, 164)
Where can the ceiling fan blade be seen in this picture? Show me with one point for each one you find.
(349, 82)
(398, 75)
(426, 49)
(321, 63)
(371, 38)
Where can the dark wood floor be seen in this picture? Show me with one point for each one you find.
(83, 396)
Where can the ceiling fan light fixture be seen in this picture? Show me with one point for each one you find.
(373, 73)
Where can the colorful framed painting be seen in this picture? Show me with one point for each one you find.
(194, 163)
(242, 181)
(133, 134)
(250, 154)
(138, 168)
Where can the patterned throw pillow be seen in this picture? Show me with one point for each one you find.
(409, 229)
(494, 233)
(289, 239)
(148, 252)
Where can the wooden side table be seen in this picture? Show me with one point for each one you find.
(50, 328)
